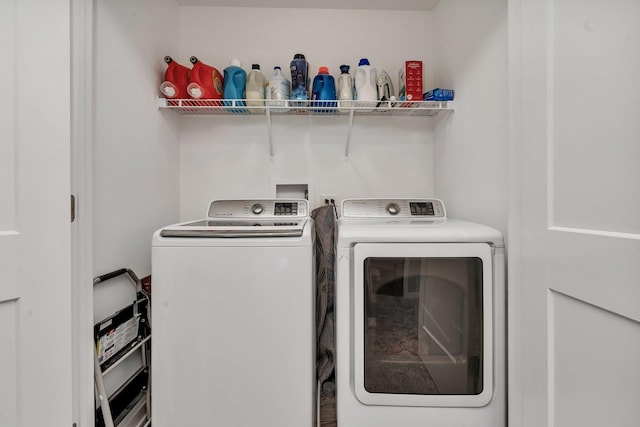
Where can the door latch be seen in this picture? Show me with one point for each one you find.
(73, 208)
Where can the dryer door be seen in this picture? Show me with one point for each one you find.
(423, 324)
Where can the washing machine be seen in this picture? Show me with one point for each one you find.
(233, 317)
(420, 317)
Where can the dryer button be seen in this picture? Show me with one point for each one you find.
(257, 208)
(393, 208)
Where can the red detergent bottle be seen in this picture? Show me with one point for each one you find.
(176, 79)
(205, 81)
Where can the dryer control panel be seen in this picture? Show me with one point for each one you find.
(399, 208)
(265, 208)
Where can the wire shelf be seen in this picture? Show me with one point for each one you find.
(295, 107)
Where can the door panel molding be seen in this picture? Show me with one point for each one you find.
(612, 234)
(601, 270)
(8, 265)
(583, 41)
(592, 356)
(8, 361)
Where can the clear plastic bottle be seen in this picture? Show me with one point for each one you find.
(278, 90)
(345, 84)
(255, 89)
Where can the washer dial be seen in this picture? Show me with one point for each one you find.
(393, 208)
(257, 208)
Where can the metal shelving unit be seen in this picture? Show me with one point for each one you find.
(125, 333)
(269, 108)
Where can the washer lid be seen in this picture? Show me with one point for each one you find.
(247, 218)
(236, 228)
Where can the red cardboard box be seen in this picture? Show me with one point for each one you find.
(411, 81)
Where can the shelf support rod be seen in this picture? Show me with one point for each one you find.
(270, 135)
(346, 150)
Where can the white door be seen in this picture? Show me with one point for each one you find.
(575, 244)
(35, 291)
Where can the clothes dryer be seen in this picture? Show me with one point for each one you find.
(420, 317)
(233, 316)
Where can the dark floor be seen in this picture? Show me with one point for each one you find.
(392, 364)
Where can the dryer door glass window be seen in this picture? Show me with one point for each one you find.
(423, 325)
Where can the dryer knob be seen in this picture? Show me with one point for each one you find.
(393, 208)
(257, 208)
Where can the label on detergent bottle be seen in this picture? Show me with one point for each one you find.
(278, 91)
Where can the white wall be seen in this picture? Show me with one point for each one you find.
(227, 157)
(154, 167)
(471, 144)
(135, 152)
(135, 169)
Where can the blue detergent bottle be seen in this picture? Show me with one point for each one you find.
(324, 89)
(299, 77)
(235, 81)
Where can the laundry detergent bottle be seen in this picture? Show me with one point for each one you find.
(205, 81)
(345, 84)
(176, 79)
(299, 77)
(278, 91)
(365, 83)
(324, 88)
(235, 81)
(255, 89)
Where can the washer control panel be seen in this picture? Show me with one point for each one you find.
(399, 208)
(266, 208)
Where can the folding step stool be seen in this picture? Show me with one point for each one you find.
(124, 333)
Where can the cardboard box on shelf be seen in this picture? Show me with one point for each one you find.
(411, 81)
